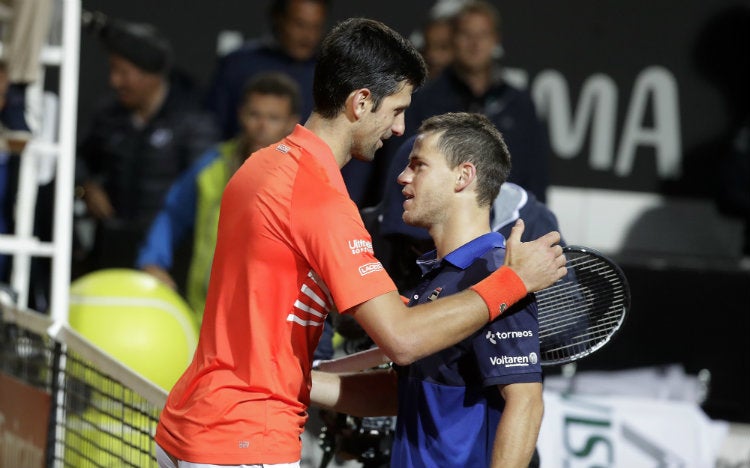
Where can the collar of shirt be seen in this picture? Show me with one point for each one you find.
(463, 256)
(309, 142)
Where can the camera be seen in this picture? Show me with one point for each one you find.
(367, 440)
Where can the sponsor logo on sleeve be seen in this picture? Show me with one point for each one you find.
(510, 361)
(283, 148)
(368, 268)
(359, 246)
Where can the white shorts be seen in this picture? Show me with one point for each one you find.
(165, 461)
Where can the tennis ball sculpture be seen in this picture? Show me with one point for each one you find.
(136, 319)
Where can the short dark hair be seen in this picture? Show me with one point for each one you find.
(139, 43)
(469, 137)
(479, 7)
(279, 8)
(363, 53)
(277, 84)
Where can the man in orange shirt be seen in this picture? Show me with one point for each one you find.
(292, 248)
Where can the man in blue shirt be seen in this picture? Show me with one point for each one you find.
(397, 244)
(478, 403)
(297, 27)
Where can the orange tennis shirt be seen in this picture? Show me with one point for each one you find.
(291, 247)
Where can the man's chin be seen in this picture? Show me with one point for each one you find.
(409, 220)
(363, 157)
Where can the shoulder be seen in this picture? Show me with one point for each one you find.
(483, 266)
(247, 51)
(257, 54)
(249, 48)
(519, 97)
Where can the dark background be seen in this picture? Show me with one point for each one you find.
(703, 44)
(692, 313)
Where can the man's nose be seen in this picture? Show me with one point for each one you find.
(399, 125)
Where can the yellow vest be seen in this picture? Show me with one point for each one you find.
(210, 187)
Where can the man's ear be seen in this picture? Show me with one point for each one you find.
(466, 173)
(358, 103)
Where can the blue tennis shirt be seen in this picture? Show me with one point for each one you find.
(449, 405)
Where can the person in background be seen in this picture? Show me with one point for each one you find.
(437, 49)
(139, 142)
(435, 37)
(479, 402)
(291, 248)
(14, 134)
(297, 28)
(24, 27)
(474, 82)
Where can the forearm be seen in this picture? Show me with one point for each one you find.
(372, 393)
(158, 246)
(518, 430)
(355, 362)
(407, 334)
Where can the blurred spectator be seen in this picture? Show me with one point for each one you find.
(474, 83)
(297, 29)
(24, 25)
(14, 134)
(269, 110)
(25, 28)
(435, 38)
(140, 142)
(437, 49)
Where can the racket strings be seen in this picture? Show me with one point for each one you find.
(578, 314)
(570, 312)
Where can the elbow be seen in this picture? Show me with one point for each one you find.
(402, 351)
(402, 359)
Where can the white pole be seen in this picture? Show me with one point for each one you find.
(64, 185)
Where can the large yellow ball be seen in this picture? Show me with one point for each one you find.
(136, 319)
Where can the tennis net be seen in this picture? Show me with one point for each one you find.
(66, 403)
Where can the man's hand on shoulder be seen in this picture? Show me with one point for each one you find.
(538, 263)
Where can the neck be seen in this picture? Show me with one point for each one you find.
(152, 105)
(335, 133)
(462, 227)
(478, 81)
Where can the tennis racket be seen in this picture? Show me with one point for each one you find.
(582, 311)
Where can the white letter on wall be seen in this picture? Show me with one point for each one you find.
(597, 107)
(656, 82)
